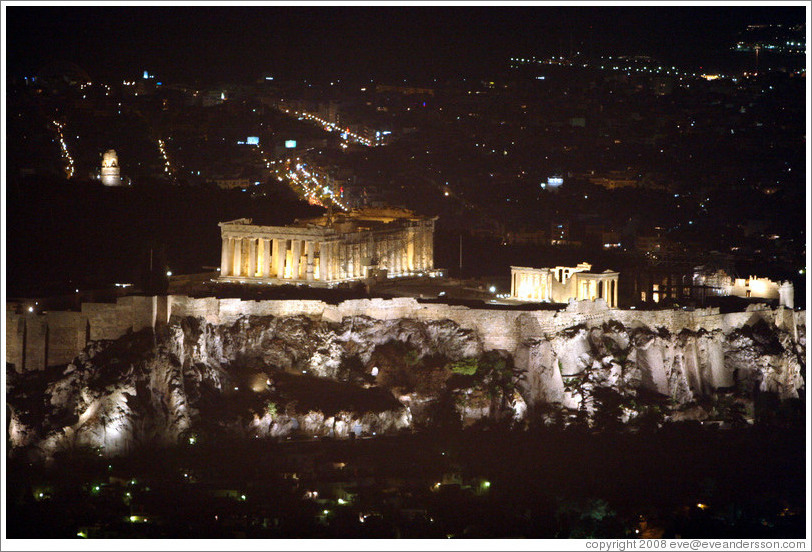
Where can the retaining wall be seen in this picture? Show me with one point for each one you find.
(34, 341)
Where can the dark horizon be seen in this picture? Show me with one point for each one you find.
(216, 44)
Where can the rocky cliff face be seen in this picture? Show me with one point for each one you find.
(268, 376)
(688, 369)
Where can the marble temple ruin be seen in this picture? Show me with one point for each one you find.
(328, 250)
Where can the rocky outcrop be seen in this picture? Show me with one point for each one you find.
(280, 376)
(684, 368)
(242, 379)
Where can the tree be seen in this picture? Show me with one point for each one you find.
(608, 411)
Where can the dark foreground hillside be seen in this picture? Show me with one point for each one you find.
(681, 481)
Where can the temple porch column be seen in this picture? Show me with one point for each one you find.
(296, 255)
(323, 261)
(225, 256)
(237, 264)
(614, 294)
(310, 250)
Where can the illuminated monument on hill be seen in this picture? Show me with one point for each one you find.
(110, 171)
(326, 251)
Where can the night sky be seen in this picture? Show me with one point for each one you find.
(215, 44)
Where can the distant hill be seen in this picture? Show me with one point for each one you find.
(66, 234)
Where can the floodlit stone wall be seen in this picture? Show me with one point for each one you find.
(66, 336)
(35, 341)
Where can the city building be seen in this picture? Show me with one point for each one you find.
(328, 250)
(562, 283)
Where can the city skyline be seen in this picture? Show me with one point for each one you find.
(415, 42)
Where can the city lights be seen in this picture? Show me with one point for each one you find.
(309, 352)
(66, 156)
(314, 192)
(328, 126)
(167, 166)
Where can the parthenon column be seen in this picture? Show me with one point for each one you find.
(252, 258)
(341, 260)
(280, 248)
(430, 249)
(411, 248)
(418, 248)
(237, 257)
(225, 256)
(424, 247)
(296, 255)
(310, 251)
(390, 250)
(421, 248)
(266, 257)
(427, 248)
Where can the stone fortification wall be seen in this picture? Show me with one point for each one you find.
(498, 328)
(35, 341)
(66, 335)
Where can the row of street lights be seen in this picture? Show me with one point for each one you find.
(69, 168)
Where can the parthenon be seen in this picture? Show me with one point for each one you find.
(328, 250)
(562, 283)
